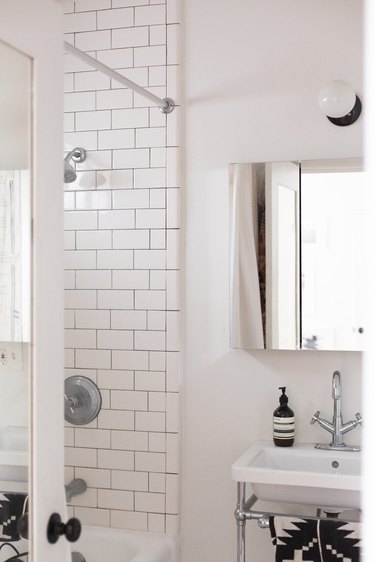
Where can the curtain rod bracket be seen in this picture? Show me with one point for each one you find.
(168, 106)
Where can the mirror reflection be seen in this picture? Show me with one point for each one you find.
(15, 297)
(297, 255)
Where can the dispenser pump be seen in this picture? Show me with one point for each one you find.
(283, 422)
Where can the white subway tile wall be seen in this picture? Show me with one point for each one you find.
(122, 300)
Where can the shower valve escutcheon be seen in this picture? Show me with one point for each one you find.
(337, 427)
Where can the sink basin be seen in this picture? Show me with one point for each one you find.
(301, 474)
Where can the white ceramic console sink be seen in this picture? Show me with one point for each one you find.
(301, 474)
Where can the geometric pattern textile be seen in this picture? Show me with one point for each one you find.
(308, 540)
(12, 507)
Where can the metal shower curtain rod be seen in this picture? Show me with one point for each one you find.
(166, 105)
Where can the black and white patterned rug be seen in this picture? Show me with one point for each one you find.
(307, 540)
(12, 507)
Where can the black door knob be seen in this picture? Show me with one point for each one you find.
(55, 528)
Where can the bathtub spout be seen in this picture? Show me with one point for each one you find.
(74, 488)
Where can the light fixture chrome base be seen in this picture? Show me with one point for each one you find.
(82, 400)
(350, 117)
(343, 447)
(168, 106)
(78, 154)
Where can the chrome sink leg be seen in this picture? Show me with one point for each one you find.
(241, 521)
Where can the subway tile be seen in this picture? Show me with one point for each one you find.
(124, 3)
(173, 249)
(115, 179)
(156, 482)
(156, 320)
(172, 494)
(68, 6)
(150, 380)
(110, 19)
(69, 202)
(116, 299)
(173, 290)
(158, 279)
(173, 371)
(110, 99)
(94, 319)
(93, 80)
(93, 200)
(156, 401)
(131, 199)
(131, 158)
(173, 453)
(131, 280)
(69, 123)
(151, 137)
(130, 37)
(116, 379)
(68, 319)
(158, 34)
(81, 339)
(74, 64)
(80, 220)
(150, 218)
(157, 77)
(173, 412)
(88, 139)
(106, 399)
(91, 516)
(96, 159)
(130, 440)
(155, 522)
(88, 499)
(87, 5)
(130, 360)
(123, 138)
(126, 480)
(173, 208)
(173, 11)
(69, 357)
(69, 279)
(158, 198)
(120, 460)
(115, 499)
(174, 83)
(157, 361)
(93, 120)
(173, 331)
(157, 118)
(173, 167)
(173, 128)
(157, 442)
(130, 118)
(93, 40)
(149, 15)
(94, 240)
(159, 91)
(79, 259)
(128, 320)
(116, 58)
(98, 439)
(131, 239)
(80, 22)
(150, 462)
(115, 339)
(69, 436)
(129, 520)
(150, 421)
(89, 279)
(137, 75)
(117, 219)
(115, 259)
(149, 259)
(69, 87)
(149, 340)
(150, 502)
(158, 240)
(94, 477)
(109, 419)
(77, 456)
(172, 524)
(69, 240)
(128, 400)
(150, 56)
(93, 358)
(150, 300)
(158, 157)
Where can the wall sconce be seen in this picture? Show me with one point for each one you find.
(339, 102)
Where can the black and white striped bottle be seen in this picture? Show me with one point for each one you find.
(283, 422)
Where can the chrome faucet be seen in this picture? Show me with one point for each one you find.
(337, 427)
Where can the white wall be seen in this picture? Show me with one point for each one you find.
(253, 71)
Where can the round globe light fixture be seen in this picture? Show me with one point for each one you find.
(339, 102)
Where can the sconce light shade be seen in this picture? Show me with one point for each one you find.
(339, 102)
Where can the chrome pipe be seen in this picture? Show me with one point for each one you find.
(166, 105)
(241, 521)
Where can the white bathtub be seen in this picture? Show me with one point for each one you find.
(98, 544)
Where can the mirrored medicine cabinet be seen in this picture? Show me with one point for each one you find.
(297, 258)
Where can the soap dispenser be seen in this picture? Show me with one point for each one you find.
(283, 422)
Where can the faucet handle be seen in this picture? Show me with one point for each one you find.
(359, 418)
(315, 417)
